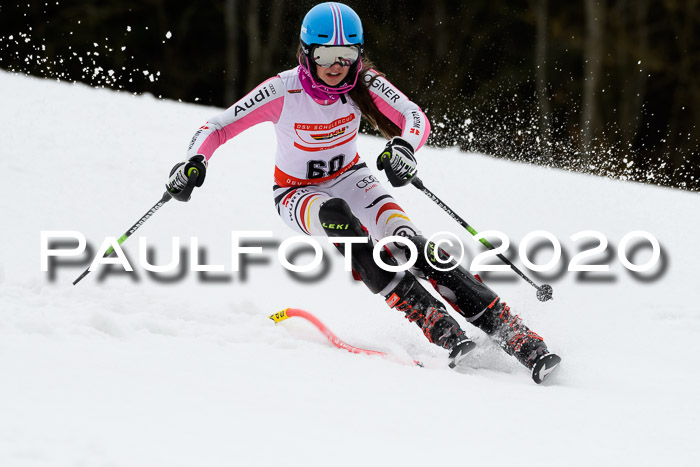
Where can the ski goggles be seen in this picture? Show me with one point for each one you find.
(327, 56)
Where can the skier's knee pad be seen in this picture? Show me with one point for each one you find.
(469, 296)
(338, 220)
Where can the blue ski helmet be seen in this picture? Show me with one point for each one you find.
(331, 23)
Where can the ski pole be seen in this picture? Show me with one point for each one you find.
(166, 197)
(544, 291)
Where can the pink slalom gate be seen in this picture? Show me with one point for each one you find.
(335, 340)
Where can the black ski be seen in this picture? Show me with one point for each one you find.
(544, 367)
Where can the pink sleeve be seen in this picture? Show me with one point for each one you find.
(398, 108)
(262, 104)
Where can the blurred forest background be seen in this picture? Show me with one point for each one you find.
(607, 87)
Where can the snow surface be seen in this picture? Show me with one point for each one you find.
(121, 372)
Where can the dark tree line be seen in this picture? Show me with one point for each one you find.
(601, 86)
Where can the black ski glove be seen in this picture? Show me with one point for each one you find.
(398, 161)
(185, 176)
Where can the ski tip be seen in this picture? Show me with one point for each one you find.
(279, 316)
(544, 367)
(460, 352)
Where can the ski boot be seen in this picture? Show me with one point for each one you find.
(508, 330)
(511, 334)
(430, 315)
(401, 290)
(482, 307)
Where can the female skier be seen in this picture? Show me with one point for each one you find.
(322, 186)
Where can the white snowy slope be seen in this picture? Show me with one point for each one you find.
(125, 372)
